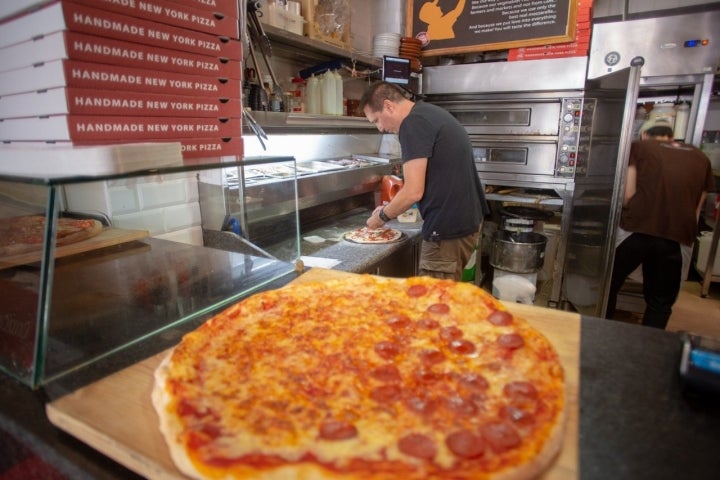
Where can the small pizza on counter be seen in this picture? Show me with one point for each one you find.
(363, 378)
(26, 233)
(368, 235)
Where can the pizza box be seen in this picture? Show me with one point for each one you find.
(59, 16)
(59, 160)
(134, 440)
(94, 48)
(94, 101)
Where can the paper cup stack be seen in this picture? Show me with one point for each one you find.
(386, 44)
(410, 48)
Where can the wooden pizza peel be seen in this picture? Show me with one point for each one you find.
(115, 415)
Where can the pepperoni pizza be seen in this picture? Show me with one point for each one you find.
(363, 378)
(369, 235)
(26, 233)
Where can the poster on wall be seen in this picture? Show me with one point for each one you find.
(448, 27)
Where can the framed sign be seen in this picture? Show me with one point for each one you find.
(448, 27)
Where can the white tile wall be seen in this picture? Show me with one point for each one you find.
(165, 205)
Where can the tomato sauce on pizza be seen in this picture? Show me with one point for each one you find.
(364, 378)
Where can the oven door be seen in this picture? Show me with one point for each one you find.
(506, 117)
(528, 156)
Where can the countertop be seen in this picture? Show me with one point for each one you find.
(635, 421)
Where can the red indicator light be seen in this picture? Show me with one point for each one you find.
(704, 42)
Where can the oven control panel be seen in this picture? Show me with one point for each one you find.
(573, 121)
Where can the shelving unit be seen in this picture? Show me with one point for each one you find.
(308, 50)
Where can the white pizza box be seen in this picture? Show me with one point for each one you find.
(94, 101)
(47, 161)
(11, 8)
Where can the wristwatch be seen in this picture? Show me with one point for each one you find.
(382, 215)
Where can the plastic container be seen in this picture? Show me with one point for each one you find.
(682, 114)
(338, 93)
(298, 90)
(513, 287)
(389, 187)
(327, 105)
(663, 110)
(313, 95)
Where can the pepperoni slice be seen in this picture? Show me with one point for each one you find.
(428, 376)
(431, 357)
(387, 349)
(399, 321)
(464, 347)
(500, 318)
(440, 308)
(517, 415)
(337, 430)
(510, 340)
(386, 373)
(465, 444)
(500, 436)
(428, 324)
(450, 333)
(417, 291)
(421, 405)
(417, 445)
(520, 390)
(474, 381)
(462, 406)
(386, 393)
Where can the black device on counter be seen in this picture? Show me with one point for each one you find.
(700, 364)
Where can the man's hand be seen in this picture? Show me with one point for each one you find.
(374, 222)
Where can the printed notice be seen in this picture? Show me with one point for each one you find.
(459, 26)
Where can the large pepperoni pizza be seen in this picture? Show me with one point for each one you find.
(363, 377)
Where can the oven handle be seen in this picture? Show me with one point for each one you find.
(495, 140)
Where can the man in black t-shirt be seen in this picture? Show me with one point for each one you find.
(439, 175)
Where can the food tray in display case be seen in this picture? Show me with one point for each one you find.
(66, 306)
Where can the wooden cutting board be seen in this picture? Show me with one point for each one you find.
(115, 415)
(109, 236)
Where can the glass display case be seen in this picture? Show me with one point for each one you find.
(154, 266)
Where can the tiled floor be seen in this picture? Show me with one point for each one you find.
(691, 312)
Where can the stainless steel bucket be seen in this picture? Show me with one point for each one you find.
(518, 252)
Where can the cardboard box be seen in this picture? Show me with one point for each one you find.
(94, 48)
(96, 101)
(313, 30)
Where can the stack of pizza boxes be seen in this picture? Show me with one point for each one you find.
(579, 47)
(96, 72)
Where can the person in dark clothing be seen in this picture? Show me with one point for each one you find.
(665, 188)
(439, 175)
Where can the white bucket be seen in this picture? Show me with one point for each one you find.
(514, 287)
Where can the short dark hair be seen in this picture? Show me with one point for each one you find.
(377, 93)
(660, 131)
